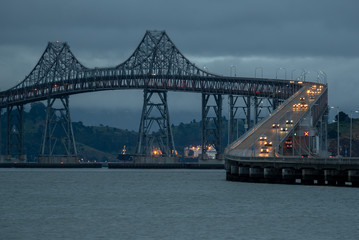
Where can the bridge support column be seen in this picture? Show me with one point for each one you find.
(353, 177)
(243, 173)
(211, 123)
(155, 109)
(234, 169)
(232, 113)
(58, 140)
(309, 175)
(331, 176)
(275, 103)
(259, 105)
(323, 135)
(289, 175)
(15, 132)
(247, 111)
(272, 175)
(256, 174)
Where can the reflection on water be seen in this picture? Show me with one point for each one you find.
(168, 204)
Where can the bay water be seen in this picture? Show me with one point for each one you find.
(168, 204)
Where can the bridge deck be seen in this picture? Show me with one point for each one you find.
(250, 145)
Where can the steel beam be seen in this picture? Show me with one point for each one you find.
(211, 123)
(155, 110)
(58, 137)
(15, 130)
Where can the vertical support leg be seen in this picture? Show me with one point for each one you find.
(1, 140)
(232, 111)
(15, 131)
(275, 103)
(211, 123)
(323, 141)
(247, 110)
(8, 129)
(58, 138)
(155, 111)
(256, 109)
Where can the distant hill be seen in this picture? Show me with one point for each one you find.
(103, 143)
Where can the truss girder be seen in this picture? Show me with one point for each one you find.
(156, 64)
(209, 85)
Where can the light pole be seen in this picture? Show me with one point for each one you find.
(235, 70)
(337, 129)
(255, 71)
(285, 72)
(291, 74)
(351, 131)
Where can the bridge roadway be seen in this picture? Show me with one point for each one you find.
(249, 145)
(108, 79)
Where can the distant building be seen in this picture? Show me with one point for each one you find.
(195, 151)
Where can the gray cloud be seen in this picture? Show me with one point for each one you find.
(314, 35)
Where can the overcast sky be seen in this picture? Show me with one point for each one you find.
(295, 35)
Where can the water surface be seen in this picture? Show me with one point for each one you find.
(168, 204)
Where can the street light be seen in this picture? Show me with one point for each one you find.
(291, 74)
(285, 72)
(255, 71)
(337, 128)
(235, 70)
(351, 131)
(303, 75)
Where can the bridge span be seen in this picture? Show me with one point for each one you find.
(157, 67)
(296, 127)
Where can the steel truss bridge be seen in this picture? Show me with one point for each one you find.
(156, 67)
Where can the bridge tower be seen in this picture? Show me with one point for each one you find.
(155, 110)
(58, 142)
(15, 132)
(211, 122)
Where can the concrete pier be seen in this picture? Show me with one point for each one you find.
(332, 172)
(331, 176)
(243, 173)
(353, 177)
(309, 176)
(289, 175)
(234, 169)
(272, 175)
(256, 174)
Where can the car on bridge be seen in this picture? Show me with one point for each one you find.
(283, 129)
(289, 122)
(303, 105)
(264, 150)
(268, 143)
(275, 125)
(262, 138)
(296, 107)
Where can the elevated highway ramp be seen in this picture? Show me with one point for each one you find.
(274, 133)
